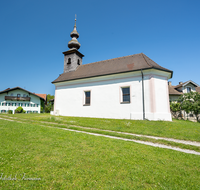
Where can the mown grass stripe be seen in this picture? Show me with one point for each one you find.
(186, 142)
(125, 139)
(137, 141)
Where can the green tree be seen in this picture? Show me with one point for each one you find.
(49, 105)
(175, 108)
(42, 106)
(190, 102)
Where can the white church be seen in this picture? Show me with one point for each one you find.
(130, 87)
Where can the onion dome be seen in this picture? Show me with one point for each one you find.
(74, 42)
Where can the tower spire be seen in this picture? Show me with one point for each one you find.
(74, 44)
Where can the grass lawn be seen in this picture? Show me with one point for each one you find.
(70, 160)
(179, 129)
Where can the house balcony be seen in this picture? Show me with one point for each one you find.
(17, 98)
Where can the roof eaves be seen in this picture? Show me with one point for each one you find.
(190, 81)
(110, 74)
(20, 89)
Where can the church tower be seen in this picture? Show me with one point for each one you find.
(72, 57)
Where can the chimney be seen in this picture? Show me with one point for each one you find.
(181, 82)
(169, 83)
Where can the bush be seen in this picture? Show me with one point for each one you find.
(20, 110)
(175, 109)
(10, 111)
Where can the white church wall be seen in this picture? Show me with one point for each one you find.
(106, 97)
(162, 108)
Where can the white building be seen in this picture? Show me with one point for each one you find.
(12, 98)
(130, 87)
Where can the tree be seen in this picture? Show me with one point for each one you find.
(175, 109)
(42, 106)
(190, 102)
(49, 105)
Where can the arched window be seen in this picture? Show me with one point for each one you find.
(69, 61)
(78, 62)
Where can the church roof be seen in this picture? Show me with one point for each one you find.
(129, 63)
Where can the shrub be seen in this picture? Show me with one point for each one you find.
(20, 110)
(10, 111)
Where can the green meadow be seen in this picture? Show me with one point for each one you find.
(39, 155)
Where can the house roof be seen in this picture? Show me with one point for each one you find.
(129, 63)
(173, 91)
(198, 89)
(44, 96)
(15, 88)
(185, 83)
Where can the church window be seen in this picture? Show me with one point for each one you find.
(69, 61)
(125, 94)
(78, 62)
(87, 98)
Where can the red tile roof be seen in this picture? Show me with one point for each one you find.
(44, 96)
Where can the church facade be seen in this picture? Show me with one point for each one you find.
(130, 87)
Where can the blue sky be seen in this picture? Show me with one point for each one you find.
(34, 33)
